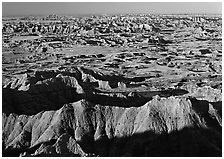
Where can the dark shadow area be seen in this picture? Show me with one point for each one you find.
(52, 96)
(188, 142)
(164, 93)
(202, 108)
(117, 101)
(35, 100)
(136, 99)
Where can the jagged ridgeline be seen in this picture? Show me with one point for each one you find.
(112, 85)
(84, 113)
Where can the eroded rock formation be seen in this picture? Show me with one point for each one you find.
(61, 115)
(119, 85)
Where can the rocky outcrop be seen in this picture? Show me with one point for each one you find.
(120, 85)
(83, 113)
(47, 94)
(83, 128)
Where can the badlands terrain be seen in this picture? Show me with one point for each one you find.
(112, 85)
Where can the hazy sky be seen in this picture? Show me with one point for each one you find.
(44, 8)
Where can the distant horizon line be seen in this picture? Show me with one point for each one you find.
(89, 14)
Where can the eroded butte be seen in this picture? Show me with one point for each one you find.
(140, 85)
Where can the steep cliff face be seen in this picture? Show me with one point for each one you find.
(87, 128)
(77, 114)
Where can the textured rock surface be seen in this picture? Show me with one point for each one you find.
(135, 85)
(84, 128)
